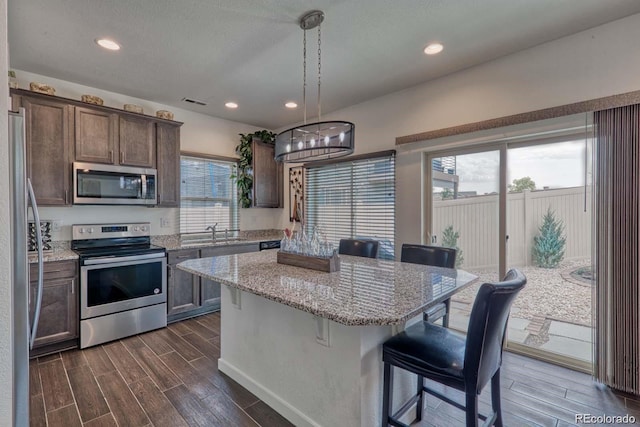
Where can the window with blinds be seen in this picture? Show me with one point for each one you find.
(354, 199)
(207, 194)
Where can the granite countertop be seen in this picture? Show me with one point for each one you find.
(175, 242)
(364, 292)
(61, 249)
(57, 254)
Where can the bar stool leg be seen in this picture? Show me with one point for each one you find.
(387, 398)
(472, 408)
(420, 402)
(445, 318)
(495, 398)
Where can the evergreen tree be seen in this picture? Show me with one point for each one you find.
(450, 240)
(549, 244)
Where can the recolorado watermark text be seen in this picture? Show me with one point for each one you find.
(605, 419)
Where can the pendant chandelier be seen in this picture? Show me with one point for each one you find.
(319, 140)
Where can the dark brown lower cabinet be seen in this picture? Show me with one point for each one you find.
(209, 293)
(58, 324)
(189, 295)
(183, 289)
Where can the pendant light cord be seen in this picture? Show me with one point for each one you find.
(319, 73)
(304, 76)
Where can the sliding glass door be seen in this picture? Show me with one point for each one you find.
(524, 204)
(465, 215)
(549, 229)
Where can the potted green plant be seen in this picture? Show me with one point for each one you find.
(244, 172)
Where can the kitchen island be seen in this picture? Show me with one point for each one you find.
(308, 343)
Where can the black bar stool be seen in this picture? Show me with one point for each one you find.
(439, 257)
(359, 247)
(447, 357)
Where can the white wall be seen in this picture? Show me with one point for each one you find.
(595, 63)
(200, 133)
(6, 315)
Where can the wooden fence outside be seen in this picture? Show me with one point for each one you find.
(476, 219)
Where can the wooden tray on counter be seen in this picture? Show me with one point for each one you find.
(328, 265)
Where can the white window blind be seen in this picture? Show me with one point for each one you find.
(354, 199)
(207, 195)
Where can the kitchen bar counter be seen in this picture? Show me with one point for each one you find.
(308, 343)
(364, 292)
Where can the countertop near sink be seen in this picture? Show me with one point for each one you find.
(174, 241)
(61, 249)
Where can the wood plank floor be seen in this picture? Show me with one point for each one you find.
(167, 377)
(170, 377)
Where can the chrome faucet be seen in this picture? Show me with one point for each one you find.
(213, 231)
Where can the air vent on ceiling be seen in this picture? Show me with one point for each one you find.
(194, 101)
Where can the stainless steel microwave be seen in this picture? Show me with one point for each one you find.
(97, 184)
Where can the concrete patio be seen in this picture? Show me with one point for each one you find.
(552, 313)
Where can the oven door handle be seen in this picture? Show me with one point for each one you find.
(115, 259)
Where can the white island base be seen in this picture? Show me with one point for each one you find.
(276, 352)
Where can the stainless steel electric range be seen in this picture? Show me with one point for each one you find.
(123, 281)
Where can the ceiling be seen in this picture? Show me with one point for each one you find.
(250, 51)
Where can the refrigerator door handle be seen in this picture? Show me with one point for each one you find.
(36, 219)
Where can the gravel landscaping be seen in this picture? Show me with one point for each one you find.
(550, 293)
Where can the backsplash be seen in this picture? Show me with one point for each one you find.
(164, 221)
(46, 228)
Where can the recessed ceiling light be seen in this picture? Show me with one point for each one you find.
(231, 105)
(291, 104)
(108, 44)
(433, 48)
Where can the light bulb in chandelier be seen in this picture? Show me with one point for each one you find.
(300, 145)
(326, 140)
(312, 143)
(341, 136)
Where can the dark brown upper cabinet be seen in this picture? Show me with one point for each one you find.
(60, 131)
(49, 133)
(267, 176)
(96, 135)
(104, 136)
(168, 154)
(137, 141)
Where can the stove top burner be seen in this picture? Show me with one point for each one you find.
(118, 251)
(113, 240)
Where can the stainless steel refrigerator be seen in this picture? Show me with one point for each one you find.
(24, 322)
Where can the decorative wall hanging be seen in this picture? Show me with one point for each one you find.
(296, 193)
